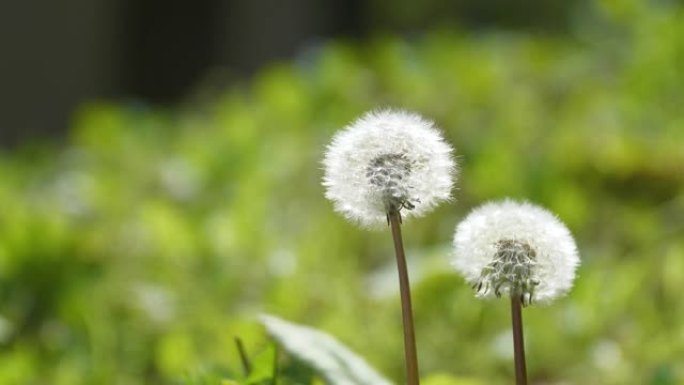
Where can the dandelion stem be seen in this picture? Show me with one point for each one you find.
(518, 343)
(246, 367)
(407, 312)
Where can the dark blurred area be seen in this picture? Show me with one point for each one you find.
(58, 54)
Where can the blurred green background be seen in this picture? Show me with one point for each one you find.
(137, 250)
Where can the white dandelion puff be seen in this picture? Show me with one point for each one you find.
(518, 249)
(388, 160)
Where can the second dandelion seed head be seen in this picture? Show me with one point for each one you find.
(517, 249)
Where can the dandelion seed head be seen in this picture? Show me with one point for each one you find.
(516, 249)
(387, 160)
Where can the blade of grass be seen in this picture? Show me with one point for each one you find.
(246, 366)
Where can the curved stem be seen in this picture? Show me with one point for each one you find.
(411, 357)
(518, 342)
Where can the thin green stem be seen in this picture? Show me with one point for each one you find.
(274, 380)
(518, 342)
(246, 366)
(405, 290)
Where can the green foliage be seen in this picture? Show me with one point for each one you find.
(137, 253)
(264, 367)
(332, 360)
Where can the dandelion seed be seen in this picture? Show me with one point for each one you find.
(517, 249)
(388, 160)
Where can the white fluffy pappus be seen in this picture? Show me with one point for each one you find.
(517, 249)
(388, 159)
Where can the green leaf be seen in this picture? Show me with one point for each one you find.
(334, 361)
(263, 366)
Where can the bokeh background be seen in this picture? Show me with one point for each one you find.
(160, 183)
